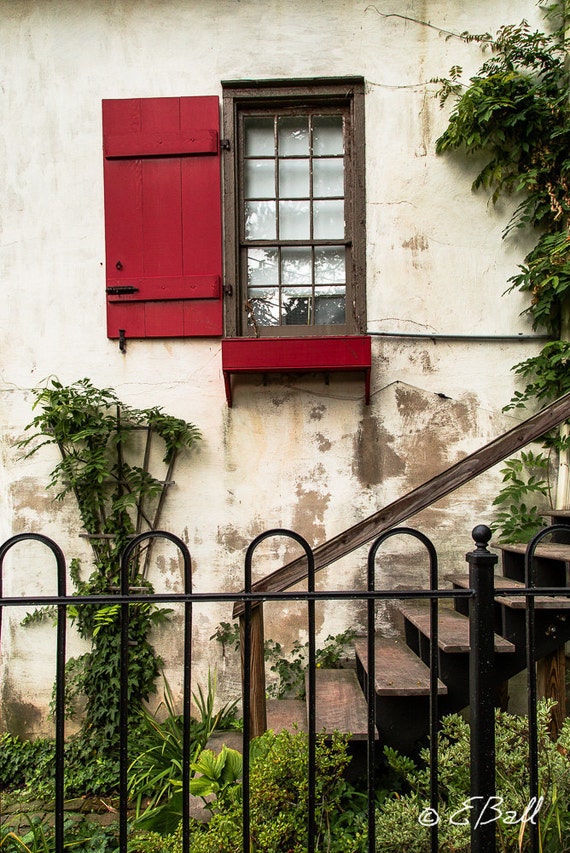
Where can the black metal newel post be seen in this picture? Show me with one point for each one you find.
(481, 691)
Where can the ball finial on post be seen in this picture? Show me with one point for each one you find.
(481, 536)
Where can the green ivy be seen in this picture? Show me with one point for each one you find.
(99, 439)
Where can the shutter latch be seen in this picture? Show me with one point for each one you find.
(225, 144)
(228, 289)
(121, 290)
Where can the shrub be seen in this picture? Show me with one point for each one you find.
(399, 829)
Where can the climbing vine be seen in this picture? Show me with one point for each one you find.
(106, 450)
(516, 111)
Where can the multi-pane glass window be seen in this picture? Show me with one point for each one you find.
(295, 217)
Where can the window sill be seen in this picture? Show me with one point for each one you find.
(296, 355)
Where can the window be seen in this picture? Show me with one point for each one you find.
(294, 208)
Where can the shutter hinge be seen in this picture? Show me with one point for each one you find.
(121, 290)
(225, 144)
(228, 289)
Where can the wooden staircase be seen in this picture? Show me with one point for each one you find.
(402, 676)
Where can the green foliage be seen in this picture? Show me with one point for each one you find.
(29, 767)
(227, 634)
(398, 825)
(95, 432)
(515, 109)
(218, 776)
(547, 375)
(211, 720)
(81, 837)
(155, 775)
(99, 439)
(278, 802)
(525, 478)
(545, 276)
(290, 668)
(26, 763)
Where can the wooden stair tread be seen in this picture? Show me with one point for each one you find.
(286, 714)
(516, 602)
(398, 671)
(340, 703)
(453, 628)
(547, 550)
(557, 513)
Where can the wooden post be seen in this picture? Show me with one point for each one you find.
(257, 708)
(551, 684)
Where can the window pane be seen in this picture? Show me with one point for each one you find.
(328, 220)
(293, 135)
(327, 135)
(296, 266)
(328, 177)
(260, 178)
(329, 307)
(260, 220)
(330, 265)
(262, 267)
(294, 178)
(264, 305)
(296, 308)
(294, 220)
(259, 140)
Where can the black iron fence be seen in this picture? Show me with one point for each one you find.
(480, 596)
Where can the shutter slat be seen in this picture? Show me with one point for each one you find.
(159, 144)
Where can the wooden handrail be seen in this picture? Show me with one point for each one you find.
(419, 498)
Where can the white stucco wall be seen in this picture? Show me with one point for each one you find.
(296, 453)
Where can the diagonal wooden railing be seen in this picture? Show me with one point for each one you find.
(400, 510)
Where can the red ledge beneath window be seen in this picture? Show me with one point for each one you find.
(296, 355)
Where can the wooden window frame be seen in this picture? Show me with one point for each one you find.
(242, 96)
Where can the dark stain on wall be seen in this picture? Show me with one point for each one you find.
(374, 456)
(18, 717)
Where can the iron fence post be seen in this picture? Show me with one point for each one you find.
(481, 691)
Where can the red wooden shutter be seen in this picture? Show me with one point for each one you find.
(162, 217)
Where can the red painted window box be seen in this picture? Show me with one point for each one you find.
(296, 355)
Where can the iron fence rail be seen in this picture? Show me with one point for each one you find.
(480, 595)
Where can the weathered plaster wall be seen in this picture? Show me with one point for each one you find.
(296, 453)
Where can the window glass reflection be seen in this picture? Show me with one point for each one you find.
(259, 137)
